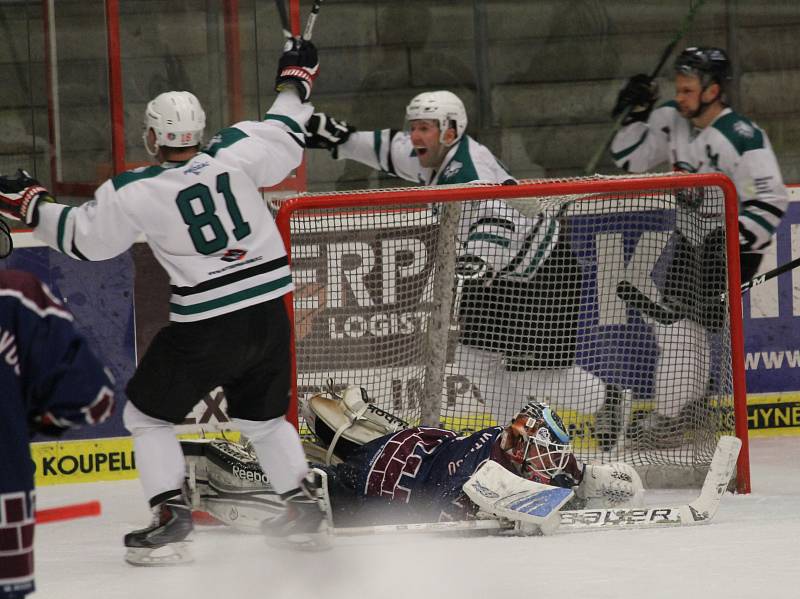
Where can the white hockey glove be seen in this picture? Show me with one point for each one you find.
(614, 485)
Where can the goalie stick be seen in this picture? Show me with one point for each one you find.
(698, 511)
(687, 22)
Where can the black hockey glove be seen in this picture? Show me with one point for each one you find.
(298, 66)
(640, 94)
(20, 196)
(471, 267)
(6, 242)
(46, 424)
(326, 133)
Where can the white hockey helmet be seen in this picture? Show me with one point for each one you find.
(444, 107)
(177, 119)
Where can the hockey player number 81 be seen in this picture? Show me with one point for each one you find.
(208, 217)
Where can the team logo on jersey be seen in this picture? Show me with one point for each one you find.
(744, 129)
(196, 168)
(452, 169)
(234, 255)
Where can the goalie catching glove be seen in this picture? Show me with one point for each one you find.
(614, 485)
(326, 133)
(20, 196)
(298, 66)
(638, 97)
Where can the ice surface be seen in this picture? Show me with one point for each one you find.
(750, 549)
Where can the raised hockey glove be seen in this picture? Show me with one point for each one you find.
(326, 133)
(639, 94)
(298, 66)
(20, 196)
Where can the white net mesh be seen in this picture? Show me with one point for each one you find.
(610, 306)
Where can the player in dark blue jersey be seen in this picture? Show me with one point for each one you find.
(50, 381)
(411, 474)
(417, 474)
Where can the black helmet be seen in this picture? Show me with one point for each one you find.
(710, 65)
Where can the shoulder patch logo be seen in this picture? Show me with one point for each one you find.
(452, 169)
(744, 129)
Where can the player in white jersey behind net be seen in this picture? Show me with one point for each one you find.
(518, 292)
(697, 132)
(202, 214)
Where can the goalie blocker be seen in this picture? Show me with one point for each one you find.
(415, 474)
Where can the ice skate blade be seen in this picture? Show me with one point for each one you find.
(171, 554)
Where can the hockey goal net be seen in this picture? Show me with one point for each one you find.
(614, 299)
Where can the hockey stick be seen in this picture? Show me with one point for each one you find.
(687, 22)
(284, 16)
(312, 18)
(770, 274)
(698, 511)
(635, 298)
(425, 527)
(68, 512)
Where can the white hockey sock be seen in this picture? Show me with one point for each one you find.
(279, 451)
(159, 458)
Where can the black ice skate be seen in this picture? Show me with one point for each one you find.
(608, 420)
(162, 543)
(304, 524)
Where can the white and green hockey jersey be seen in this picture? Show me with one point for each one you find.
(392, 152)
(511, 243)
(204, 218)
(731, 144)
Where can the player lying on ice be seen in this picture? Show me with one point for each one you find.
(380, 471)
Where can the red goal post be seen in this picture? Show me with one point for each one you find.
(620, 306)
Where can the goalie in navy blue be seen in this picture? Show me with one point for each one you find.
(51, 381)
(415, 474)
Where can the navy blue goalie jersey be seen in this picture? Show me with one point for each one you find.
(423, 467)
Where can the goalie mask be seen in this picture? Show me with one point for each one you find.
(444, 107)
(537, 442)
(176, 118)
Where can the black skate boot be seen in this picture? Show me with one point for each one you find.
(162, 543)
(303, 524)
(608, 420)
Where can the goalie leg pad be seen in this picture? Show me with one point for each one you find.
(225, 480)
(533, 507)
(345, 422)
